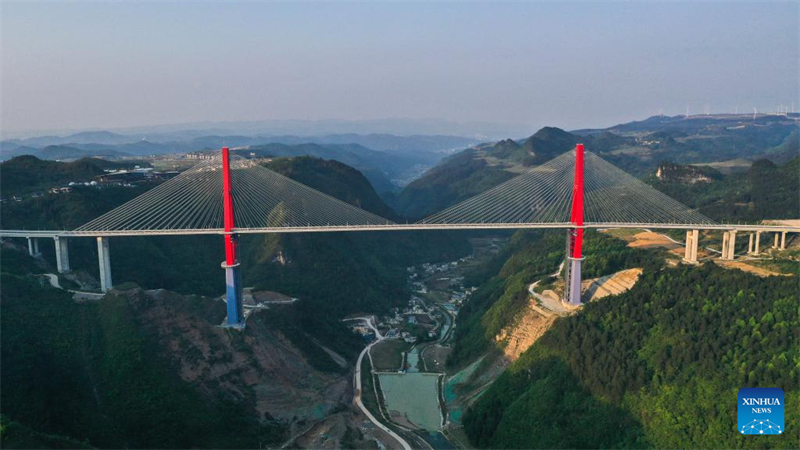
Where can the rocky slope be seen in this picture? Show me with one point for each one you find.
(675, 173)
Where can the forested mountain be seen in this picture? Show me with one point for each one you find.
(727, 142)
(336, 179)
(29, 173)
(60, 152)
(764, 191)
(503, 293)
(379, 168)
(650, 367)
(155, 360)
(103, 374)
(371, 265)
(388, 161)
(658, 366)
(477, 169)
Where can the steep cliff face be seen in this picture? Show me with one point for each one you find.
(531, 325)
(668, 172)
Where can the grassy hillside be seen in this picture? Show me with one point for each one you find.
(658, 366)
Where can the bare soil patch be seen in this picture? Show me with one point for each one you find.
(741, 265)
(617, 283)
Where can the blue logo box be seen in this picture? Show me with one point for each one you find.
(761, 411)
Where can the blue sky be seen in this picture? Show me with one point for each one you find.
(90, 65)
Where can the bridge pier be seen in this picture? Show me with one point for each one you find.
(750, 245)
(783, 240)
(233, 291)
(33, 247)
(104, 258)
(692, 237)
(574, 280)
(757, 248)
(62, 254)
(775, 244)
(729, 245)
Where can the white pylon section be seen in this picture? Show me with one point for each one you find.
(104, 259)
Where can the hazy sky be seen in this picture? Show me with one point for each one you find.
(89, 65)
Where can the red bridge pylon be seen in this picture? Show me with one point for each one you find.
(233, 276)
(572, 285)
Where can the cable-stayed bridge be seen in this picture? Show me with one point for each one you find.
(231, 195)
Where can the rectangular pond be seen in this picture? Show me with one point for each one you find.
(413, 397)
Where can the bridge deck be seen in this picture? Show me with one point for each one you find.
(398, 227)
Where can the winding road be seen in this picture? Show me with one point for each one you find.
(357, 379)
(547, 302)
(76, 295)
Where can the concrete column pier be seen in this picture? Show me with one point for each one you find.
(725, 245)
(783, 240)
(33, 247)
(775, 245)
(692, 238)
(729, 245)
(574, 281)
(233, 287)
(750, 245)
(62, 254)
(757, 250)
(104, 258)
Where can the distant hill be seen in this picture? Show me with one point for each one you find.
(764, 191)
(376, 166)
(55, 152)
(698, 140)
(336, 179)
(29, 173)
(477, 169)
(388, 160)
(86, 137)
(418, 146)
(61, 152)
(636, 147)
